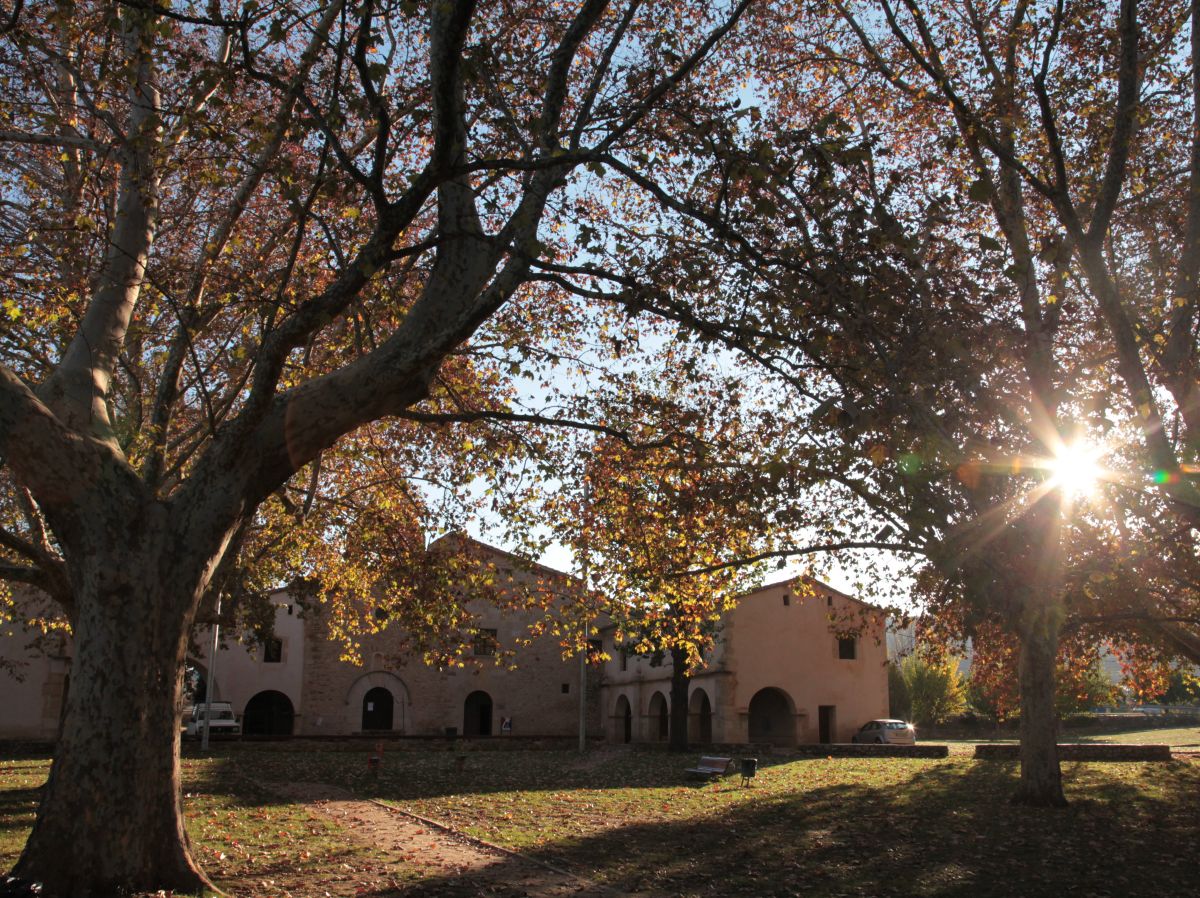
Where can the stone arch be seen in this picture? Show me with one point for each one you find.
(772, 717)
(700, 718)
(195, 682)
(477, 714)
(356, 696)
(658, 712)
(269, 713)
(622, 720)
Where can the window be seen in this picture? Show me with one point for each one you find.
(381, 614)
(485, 642)
(787, 599)
(656, 660)
(624, 659)
(846, 648)
(272, 651)
(566, 688)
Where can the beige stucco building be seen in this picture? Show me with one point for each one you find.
(779, 673)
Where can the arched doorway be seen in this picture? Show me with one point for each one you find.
(477, 714)
(377, 709)
(660, 720)
(623, 720)
(771, 718)
(269, 713)
(700, 718)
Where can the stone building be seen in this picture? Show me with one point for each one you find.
(779, 673)
(299, 684)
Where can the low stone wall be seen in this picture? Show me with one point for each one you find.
(870, 750)
(1079, 751)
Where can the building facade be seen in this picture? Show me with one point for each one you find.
(779, 673)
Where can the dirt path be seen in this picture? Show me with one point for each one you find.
(451, 865)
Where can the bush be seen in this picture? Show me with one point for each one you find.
(935, 690)
(899, 703)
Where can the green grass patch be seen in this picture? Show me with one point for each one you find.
(632, 820)
(1185, 738)
(246, 841)
(817, 827)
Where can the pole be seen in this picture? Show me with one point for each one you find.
(208, 687)
(585, 573)
(583, 692)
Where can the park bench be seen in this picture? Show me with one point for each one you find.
(710, 767)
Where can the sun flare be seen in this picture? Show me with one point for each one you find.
(1076, 469)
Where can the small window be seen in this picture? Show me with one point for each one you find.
(381, 614)
(485, 642)
(787, 599)
(829, 601)
(566, 688)
(624, 659)
(273, 651)
(656, 660)
(846, 648)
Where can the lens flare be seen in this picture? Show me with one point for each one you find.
(1076, 469)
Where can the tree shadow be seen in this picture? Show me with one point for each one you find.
(18, 807)
(941, 830)
(409, 776)
(949, 830)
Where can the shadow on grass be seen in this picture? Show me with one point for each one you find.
(949, 830)
(18, 807)
(927, 829)
(409, 776)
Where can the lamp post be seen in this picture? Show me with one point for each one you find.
(208, 687)
(585, 573)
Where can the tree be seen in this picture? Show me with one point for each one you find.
(926, 264)
(238, 237)
(652, 516)
(899, 704)
(1075, 173)
(935, 690)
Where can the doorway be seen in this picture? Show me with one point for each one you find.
(826, 723)
(377, 709)
(477, 715)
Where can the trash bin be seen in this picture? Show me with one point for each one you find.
(749, 768)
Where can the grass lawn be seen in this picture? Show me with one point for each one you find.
(819, 827)
(1185, 738)
(247, 842)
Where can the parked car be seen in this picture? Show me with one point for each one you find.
(224, 721)
(892, 732)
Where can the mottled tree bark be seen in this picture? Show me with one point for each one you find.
(1041, 776)
(110, 819)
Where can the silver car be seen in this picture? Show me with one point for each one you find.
(891, 732)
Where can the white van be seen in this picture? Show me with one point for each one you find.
(224, 721)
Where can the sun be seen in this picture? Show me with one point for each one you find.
(1075, 469)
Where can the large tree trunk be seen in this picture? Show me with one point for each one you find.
(679, 701)
(1039, 624)
(110, 820)
(1041, 776)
